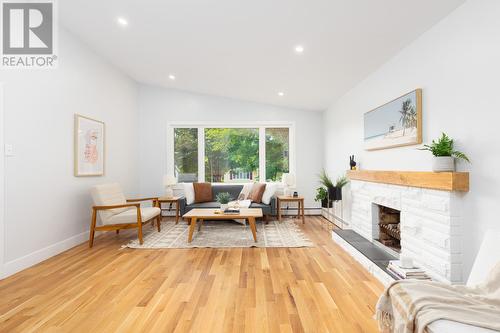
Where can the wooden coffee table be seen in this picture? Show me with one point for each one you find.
(249, 214)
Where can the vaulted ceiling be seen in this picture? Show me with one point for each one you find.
(246, 49)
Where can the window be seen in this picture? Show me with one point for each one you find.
(230, 154)
(186, 154)
(277, 153)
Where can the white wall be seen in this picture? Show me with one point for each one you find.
(159, 106)
(47, 208)
(457, 64)
(2, 183)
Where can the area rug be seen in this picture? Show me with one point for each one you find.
(221, 234)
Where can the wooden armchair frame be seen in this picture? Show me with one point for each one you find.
(108, 227)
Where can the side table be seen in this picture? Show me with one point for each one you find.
(298, 200)
(172, 200)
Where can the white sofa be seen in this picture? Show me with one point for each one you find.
(488, 256)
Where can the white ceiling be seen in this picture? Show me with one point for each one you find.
(245, 49)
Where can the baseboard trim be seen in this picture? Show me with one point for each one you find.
(19, 264)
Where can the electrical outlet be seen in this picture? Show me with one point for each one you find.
(9, 150)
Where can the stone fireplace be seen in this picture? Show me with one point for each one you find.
(417, 214)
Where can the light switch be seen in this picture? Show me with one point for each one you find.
(9, 150)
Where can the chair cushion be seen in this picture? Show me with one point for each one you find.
(130, 215)
(202, 192)
(108, 195)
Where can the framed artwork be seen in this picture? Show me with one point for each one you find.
(395, 124)
(89, 147)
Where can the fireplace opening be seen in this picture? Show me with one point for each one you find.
(387, 228)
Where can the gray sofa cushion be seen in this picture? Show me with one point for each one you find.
(212, 204)
(233, 190)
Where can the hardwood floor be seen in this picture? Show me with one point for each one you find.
(109, 289)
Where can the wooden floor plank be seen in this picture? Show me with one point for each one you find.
(110, 289)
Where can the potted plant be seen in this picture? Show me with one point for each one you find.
(223, 198)
(327, 182)
(444, 154)
(322, 195)
(341, 182)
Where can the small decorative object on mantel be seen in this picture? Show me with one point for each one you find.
(444, 154)
(395, 124)
(352, 162)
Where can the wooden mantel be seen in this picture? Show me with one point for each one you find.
(444, 181)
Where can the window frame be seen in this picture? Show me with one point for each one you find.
(261, 126)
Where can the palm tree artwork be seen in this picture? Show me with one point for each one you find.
(408, 115)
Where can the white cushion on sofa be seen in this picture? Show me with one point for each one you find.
(130, 215)
(269, 192)
(189, 193)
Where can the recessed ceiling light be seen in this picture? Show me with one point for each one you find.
(171, 77)
(281, 94)
(299, 49)
(122, 21)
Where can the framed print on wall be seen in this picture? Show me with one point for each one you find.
(395, 124)
(89, 147)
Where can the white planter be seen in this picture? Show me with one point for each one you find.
(224, 206)
(443, 164)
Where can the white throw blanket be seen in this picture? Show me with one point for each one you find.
(408, 306)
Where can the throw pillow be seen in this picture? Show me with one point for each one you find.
(257, 192)
(202, 192)
(189, 193)
(245, 191)
(269, 192)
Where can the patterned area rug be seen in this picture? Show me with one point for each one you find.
(219, 234)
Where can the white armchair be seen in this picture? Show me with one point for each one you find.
(116, 212)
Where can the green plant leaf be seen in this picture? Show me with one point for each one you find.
(324, 179)
(460, 155)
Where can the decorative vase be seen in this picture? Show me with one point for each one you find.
(223, 207)
(324, 203)
(443, 164)
(331, 193)
(338, 193)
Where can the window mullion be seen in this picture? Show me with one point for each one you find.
(262, 154)
(201, 154)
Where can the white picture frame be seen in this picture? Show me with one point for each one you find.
(89, 148)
